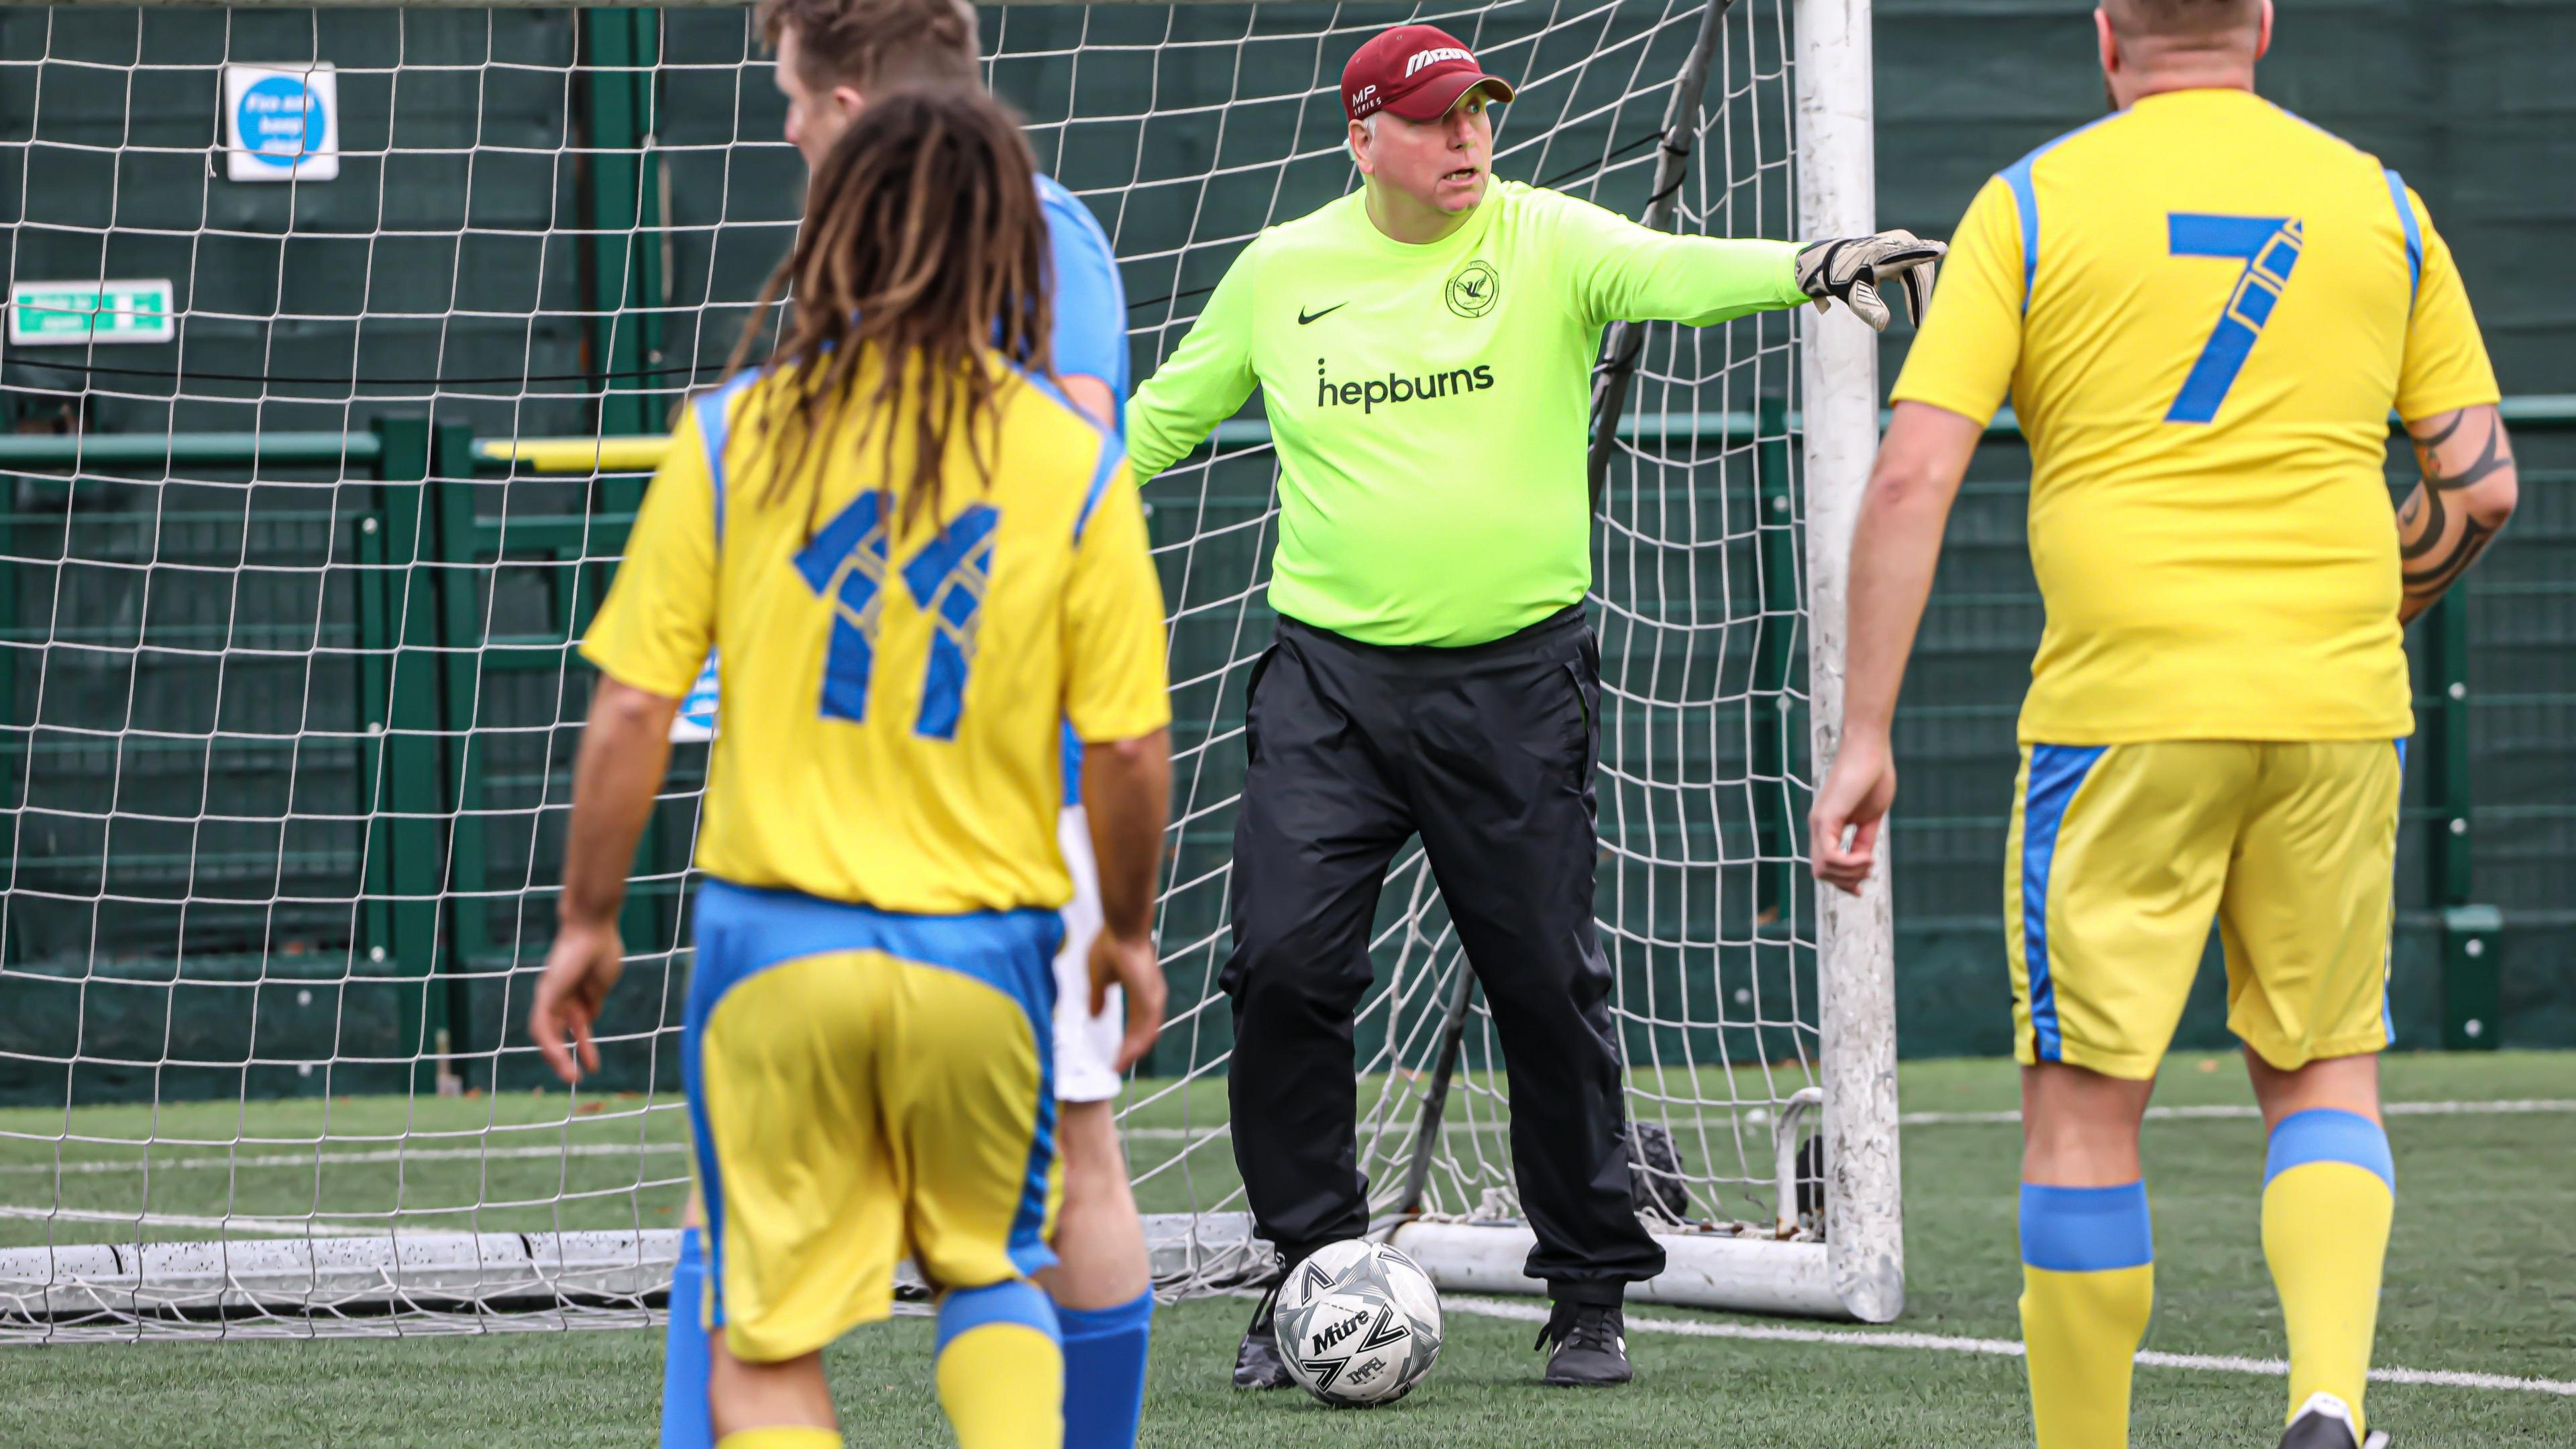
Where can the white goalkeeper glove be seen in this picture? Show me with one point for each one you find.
(1853, 269)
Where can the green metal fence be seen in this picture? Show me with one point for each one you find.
(421, 628)
(419, 701)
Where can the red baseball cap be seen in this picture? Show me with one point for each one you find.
(1416, 71)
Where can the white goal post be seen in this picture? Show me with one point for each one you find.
(286, 600)
(1855, 936)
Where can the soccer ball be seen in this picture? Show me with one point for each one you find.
(1359, 1324)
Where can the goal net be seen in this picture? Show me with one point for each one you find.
(340, 343)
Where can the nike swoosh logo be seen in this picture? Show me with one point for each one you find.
(1304, 316)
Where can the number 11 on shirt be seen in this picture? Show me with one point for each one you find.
(848, 563)
(2269, 246)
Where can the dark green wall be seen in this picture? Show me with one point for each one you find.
(2468, 98)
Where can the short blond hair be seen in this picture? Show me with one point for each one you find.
(2134, 18)
(876, 45)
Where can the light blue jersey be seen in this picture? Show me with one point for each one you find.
(1090, 340)
(1090, 302)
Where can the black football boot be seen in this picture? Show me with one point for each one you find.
(1258, 1364)
(1591, 1345)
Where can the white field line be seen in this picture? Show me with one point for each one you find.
(267, 1227)
(310, 1159)
(2001, 1347)
(2237, 1112)
(2232, 1112)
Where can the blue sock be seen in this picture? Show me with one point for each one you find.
(687, 1423)
(1104, 1372)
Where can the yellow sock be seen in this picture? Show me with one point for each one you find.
(2329, 1190)
(2088, 1289)
(781, 1436)
(1001, 1370)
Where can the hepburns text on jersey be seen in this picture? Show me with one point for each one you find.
(1394, 389)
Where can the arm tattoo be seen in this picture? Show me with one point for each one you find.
(2491, 457)
(2458, 416)
(2432, 580)
(2423, 500)
(2431, 557)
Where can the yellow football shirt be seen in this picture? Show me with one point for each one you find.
(895, 694)
(2204, 309)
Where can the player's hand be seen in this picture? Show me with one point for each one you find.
(585, 962)
(1854, 270)
(1130, 962)
(1853, 802)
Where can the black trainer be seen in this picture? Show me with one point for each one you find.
(1257, 1364)
(2325, 1422)
(1591, 1345)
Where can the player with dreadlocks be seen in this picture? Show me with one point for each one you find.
(914, 561)
(833, 56)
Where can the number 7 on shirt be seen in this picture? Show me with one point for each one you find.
(2269, 246)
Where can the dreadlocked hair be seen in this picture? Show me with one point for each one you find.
(923, 249)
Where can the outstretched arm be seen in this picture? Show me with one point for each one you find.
(1895, 549)
(2468, 491)
(1624, 272)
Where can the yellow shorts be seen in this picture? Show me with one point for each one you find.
(865, 1085)
(2121, 854)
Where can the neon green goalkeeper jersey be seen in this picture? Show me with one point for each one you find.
(1430, 402)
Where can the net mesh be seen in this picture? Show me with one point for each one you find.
(290, 700)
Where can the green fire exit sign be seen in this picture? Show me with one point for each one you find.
(59, 313)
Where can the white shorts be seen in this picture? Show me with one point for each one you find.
(1085, 1045)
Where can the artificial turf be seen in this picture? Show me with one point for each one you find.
(2482, 1279)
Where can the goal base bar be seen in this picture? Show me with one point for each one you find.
(1701, 1270)
(416, 1272)
(359, 1277)
(317, 1278)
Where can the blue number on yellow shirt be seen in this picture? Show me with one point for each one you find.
(847, 563)
(948, 578)
(2269, 247)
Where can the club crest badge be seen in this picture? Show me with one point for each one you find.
(1475, 288)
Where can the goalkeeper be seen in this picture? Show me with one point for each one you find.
(2205, 309)
(1423, 350)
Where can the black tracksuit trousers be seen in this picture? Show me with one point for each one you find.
(1487, 752)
